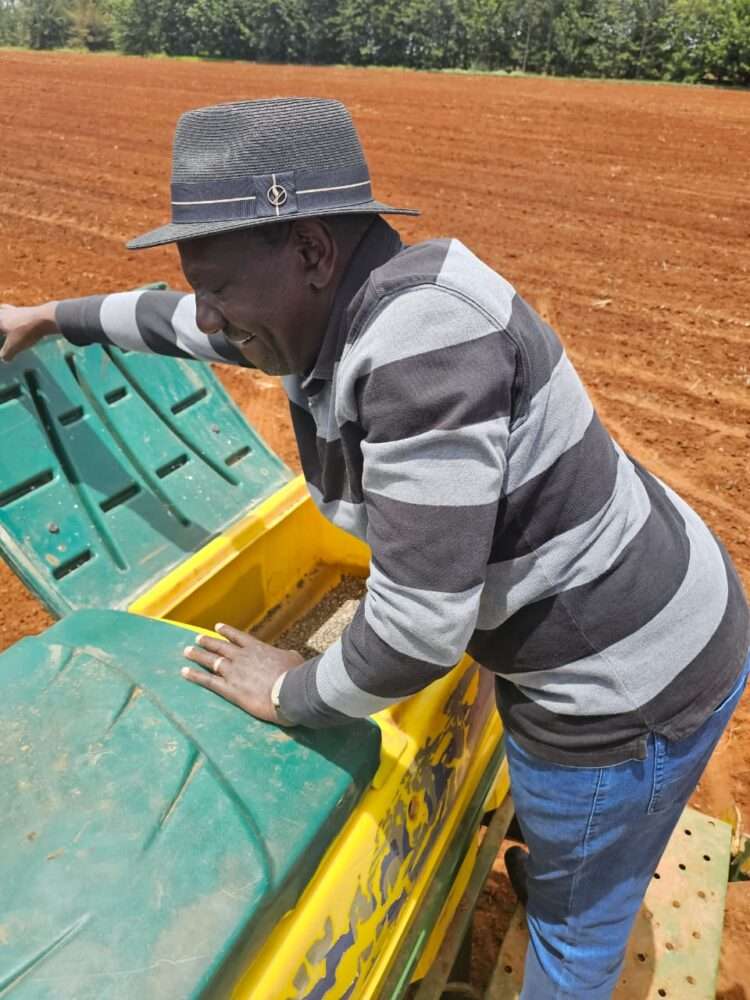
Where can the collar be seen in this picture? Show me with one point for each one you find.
(379, 243)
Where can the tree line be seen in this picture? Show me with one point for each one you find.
(681, 40)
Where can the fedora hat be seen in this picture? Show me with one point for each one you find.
(251, 163)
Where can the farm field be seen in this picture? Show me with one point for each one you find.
(620, 211)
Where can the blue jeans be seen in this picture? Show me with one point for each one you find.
(595, 836)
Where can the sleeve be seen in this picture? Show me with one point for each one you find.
(432, 392)
(149, 321)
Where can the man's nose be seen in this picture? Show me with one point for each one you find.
(207, 317)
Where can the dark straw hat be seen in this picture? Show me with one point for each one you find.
(254, 162)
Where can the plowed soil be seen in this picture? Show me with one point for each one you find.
(620, 211)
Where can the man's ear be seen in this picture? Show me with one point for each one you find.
(316, 249)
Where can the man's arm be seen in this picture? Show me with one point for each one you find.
(436, 426)
(22, 327)
(154, 322)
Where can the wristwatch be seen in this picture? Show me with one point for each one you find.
(275, 692)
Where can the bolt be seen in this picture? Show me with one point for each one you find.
(53, 528)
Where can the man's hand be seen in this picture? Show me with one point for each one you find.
(240, 668)
(24, 327)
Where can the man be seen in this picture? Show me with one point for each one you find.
(439, 419)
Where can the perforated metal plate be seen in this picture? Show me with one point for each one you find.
(676, 939)
(115, 466)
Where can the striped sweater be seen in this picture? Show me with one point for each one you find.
(444, 424)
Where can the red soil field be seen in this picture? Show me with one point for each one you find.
(620, 211)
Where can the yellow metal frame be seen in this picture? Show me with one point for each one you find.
(256, 564)
(275, 564)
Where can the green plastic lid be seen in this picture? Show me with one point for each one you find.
(152, 834)
(115, 467)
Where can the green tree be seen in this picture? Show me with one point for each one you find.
(370, 33)
(650, 38)
(490, 33)
(45, 23)
(531, 16)
(572, 37)
(90, 25)
(11, 26)
(136, 26)
(275, 30)
(736, 44)
(216, 30)
(612, 50)
(692, 40)
(322, 32)
(709, 40)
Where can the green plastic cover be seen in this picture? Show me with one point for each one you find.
(152, 834)
(116, 466)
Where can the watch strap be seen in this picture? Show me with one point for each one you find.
(275, 696)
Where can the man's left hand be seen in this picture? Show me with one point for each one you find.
(240, 668)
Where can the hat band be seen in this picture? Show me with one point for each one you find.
(266, 196)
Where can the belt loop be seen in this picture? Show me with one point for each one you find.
(659, 744)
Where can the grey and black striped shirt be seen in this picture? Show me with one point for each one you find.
(444, 424)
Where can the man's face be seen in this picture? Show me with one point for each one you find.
(258, 296)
